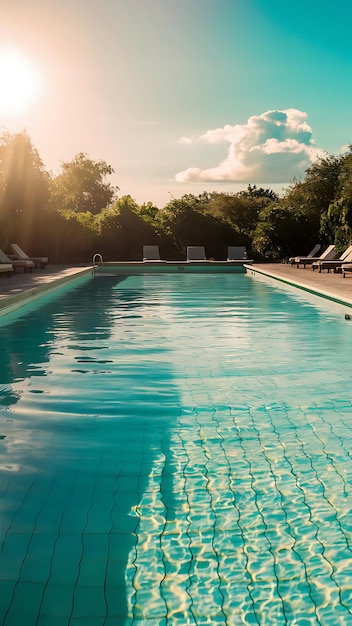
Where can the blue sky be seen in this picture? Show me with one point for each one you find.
(182, 96)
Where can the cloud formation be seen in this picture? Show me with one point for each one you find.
(273, 147)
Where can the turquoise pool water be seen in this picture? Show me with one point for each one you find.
(176, 450)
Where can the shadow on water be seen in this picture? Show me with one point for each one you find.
(85, 410)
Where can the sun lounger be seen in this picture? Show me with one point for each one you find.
(334, 264)
(39, 261)
(151, 253)
(346, 268)
(312, 254)
(26, 265)
(236, 253)
(327, 255)
(6, 268)
(196, 253)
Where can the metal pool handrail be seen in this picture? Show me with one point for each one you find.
(97, 258)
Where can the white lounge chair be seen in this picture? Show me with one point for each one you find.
(345, 268)
(39, 261)
(151, 253)
(327, 255)
(196, 253)
(26, 265)
(333, 264)
(311, 254)
(236, 253)
(6, 268)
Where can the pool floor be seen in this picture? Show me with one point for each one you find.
(176, 450)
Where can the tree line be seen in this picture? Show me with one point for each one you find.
(77, 212)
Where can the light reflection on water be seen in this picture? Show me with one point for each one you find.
(176, 450)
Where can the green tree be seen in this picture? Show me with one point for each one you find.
(123, 231)
(82, 186)
(336, 222)
(307, 213)
(280, 232)
(24, 189)
(70, 237)
(187, 221)
(252, 191)
(240, 210)
(344, 191)
(314, 194)
(149, 212)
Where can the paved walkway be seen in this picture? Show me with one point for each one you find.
(330, 285)
(25, 286)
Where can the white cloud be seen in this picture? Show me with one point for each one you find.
(275, 146)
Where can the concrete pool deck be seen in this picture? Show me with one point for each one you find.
(328, 285)
(22, 287)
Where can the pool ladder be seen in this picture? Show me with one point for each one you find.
(97, 258)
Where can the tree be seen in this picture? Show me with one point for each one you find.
(123, 231)
(82, 186)
(255, 192)
(280, 231)
(314, 194)
(70, 237)
(149, 212)
(187, 222)
(336, 222)
(24, 189)
(239, 210)
(344, 191)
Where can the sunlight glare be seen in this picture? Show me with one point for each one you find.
(19, 83)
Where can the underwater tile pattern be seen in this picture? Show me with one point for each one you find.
(262, 528)
(176, 451)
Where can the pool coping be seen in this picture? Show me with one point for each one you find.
(14, 301)
(169, 267)
(304, 286)
(33, 286)
(24, 288)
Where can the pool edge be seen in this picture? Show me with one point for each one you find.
(13, 302)
(253, 270)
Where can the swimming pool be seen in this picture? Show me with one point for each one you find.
(176, 450)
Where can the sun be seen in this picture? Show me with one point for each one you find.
(20, 83)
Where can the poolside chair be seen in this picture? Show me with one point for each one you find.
(333, 264)
(196, 253)
(39, 261)
(236, 253)
(151, 253)
(312, 254)
(26, 265)
(6, 268)
(327, 255)
(345, 268)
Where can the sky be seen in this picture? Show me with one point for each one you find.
(180, 96)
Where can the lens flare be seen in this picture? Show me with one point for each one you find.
(20, 83)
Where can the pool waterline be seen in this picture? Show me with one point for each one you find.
(235, 494)
(337, 291)
(33, 286)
